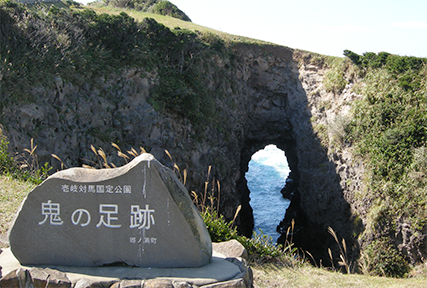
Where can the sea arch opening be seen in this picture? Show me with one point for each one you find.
(267, 178)
(288, 148)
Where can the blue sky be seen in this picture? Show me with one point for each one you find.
(327, 27)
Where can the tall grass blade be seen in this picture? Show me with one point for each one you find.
(194, 194)
(176, 167)
(56, 157)
(219, 195)
(311, 256)
(135, 153)
(209, 172)
(103, 156)
(332, 232)
(123, 155)
(330, 256)
(344, 245)
(237, 213)
(167, 152)
(93, 150)
(88, 166)
(116, 146)
(59, 159)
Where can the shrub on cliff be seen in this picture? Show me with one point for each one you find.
(389, 135)
(7, 164)
(161, 7)
(39, 45)
(260, 247)
(169, 9)
(334, 80)
(381, 258)
(23, 167)
(403, 68)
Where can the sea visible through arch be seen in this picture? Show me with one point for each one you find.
(268, 170)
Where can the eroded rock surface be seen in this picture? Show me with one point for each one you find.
(138, 215)
(225, 271)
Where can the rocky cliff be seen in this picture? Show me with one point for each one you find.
(270, 95)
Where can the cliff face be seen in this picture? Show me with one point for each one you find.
(275, 95)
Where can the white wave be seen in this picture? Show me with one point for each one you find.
(273, 157)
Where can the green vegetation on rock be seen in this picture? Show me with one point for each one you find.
(79, 45)
(389, 131)
(160, 7)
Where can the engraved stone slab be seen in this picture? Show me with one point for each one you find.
(138, 214)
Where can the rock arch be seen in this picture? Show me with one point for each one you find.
(283, 105)
(274, 98)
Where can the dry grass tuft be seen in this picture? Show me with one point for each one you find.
(343, 251)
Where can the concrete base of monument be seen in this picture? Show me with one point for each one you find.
(224, 271)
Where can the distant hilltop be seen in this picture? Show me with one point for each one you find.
(160, 7)
(35, 1)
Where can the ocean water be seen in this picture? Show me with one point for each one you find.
(268, 170)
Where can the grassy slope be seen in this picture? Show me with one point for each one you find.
(272, 276)
(12, 192)
(171, 23)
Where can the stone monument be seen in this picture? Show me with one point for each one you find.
(138, 215)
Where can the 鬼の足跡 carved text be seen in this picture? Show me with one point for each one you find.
(107, 215)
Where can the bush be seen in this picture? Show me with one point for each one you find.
(168, 9)
(26, 168)
(7, 164)
(383, 259)
(260, 247)
(165, 8)
(334, 80)
(218, 228)
(403, 68)
(354, 57)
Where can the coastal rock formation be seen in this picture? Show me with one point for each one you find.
(275, 95)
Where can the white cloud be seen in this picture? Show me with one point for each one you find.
(410, 24)
(343, 28)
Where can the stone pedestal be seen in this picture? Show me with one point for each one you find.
(224, 271)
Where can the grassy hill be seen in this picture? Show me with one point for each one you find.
(171, 23)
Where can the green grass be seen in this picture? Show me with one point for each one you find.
(12, 192)
(270, 275)
(171, 23)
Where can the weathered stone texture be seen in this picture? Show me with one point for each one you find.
(138, 214)
(161, 278)
(35, 278)
(231, 248)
